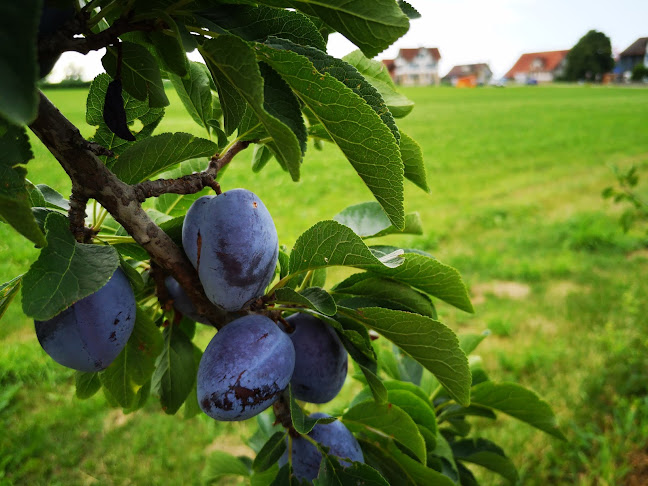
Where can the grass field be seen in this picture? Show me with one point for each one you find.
(516, 177)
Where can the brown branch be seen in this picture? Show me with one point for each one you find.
(76, 215)
(92, 179)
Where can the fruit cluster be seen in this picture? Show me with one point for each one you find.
(232, 242)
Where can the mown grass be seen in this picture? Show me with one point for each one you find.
(516, 177)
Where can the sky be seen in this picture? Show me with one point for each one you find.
(493, 31)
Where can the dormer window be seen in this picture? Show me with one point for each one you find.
(537, 63)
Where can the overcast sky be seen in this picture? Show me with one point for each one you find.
(492, 31)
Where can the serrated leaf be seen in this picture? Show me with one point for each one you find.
(15, 202)
(313, 298)
(195, 92)
(175, 370)
(65, 272)
(372, 25)
(352, 124)
(408, 10)
(221, 464)
(140, 73)
(153, 155)
(485, 453)
(429, 342)
(18, 42)
(429, 275)
(518, 402)
(368, 220)
(332, 473)
(391, 421)
(413, 162)
(270, 452)
(329, 243)
(302, 422)
(230, 58)
(8, 291)
(87, 384)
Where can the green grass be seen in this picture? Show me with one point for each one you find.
(516, 177)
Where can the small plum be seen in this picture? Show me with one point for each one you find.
(232, 241)
(306, 458)
(244, 369)
(320, 359)
(182, 302)
(88, 335)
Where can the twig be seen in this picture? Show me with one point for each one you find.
(76, 215)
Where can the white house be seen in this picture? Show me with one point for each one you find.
(415, 66)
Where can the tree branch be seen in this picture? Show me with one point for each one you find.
(92, 179)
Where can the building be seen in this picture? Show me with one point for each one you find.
(538, 67)
(633, 55)
(481, 74)
(415, 66)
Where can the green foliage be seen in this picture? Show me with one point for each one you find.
(639, 72)
(590, 58)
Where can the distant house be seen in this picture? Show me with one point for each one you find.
(538, 67)
(481, 73)
(415, 66)
(635, 54)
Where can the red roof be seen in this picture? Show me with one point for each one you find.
(409, 54)
(549, 61)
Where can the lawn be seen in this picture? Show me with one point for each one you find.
(516, 177)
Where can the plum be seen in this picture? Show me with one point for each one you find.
(244, 369)
(320, 360)
(232, 241)
(306, 458)
(182, 302)
(88, 335)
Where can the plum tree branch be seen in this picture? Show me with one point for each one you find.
(93, 180)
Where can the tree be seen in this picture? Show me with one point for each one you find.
(590, 58)
(267, 82)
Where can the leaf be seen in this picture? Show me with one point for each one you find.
(376, 386)
(87, 384)
(53, 199)
(486, 454)
(372, 25)
(329, 243)
(417, 408)
(429, 342)
(221, 464)
(232, 59)
(303, 423)
(313, 298)
(270, 453)
(518, 402)
(140, 73)
(431, 276)
(413, 162)
(153, 155)
(65, 272)
(114, 114)
(18, 36)
(260, 157)
(332, 473)
(8, 291)
(353, 125)
(191, 405)
(389, 420)
(368, 220)
(15, 203)
(195, 92)
(421, 475)
(168, 46)
(378, 457)
(175, 370)
(469, 342)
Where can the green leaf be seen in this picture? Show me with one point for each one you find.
(221, 464)
(191, 405)
(313, 298)
(417, 408)
(372, 25)
(153, 155)
(140, 73)
(260, 157)
(15, 202)
(352, 124)
(260, 22)
(413, 162)
(8, 291)
(53, 199)
(518, 402)
(284, 263)
(303, 423)
(65, 272)
(18, 36)
(377, 456)
(329, 243)
(469, 342)
(232, 59)
(376, 386)
(270, 453)
(332, 473)
(408, 10)
(168, 46)
(87, 384)
(429, 342)
(175, 370)
(390, 420)
(421, 475)
(486, 454)
(431, 276)
(195, 92)
(368, 220)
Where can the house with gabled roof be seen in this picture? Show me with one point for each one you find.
(481, 73)
(411, 67)
(538, 67)
(636, 53)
